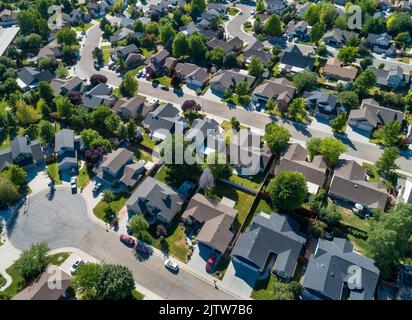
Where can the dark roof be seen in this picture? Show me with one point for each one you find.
(6, 158)
(64, 139)
(293, 56)
(116, 160)
(275, 234)
(328, 271)
(229, 78)
(163, 118)
(201, 127)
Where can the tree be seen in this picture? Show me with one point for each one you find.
(288, 190)
(138, 225)
(98, 55)
(46, 131)
(68, 55)
(328, 14)
(297, 109)
(108, 196)
(312, 14)
(331, 149)
(218, 164)
(62, 72)
(129, 85)
(399, 22)
(26, 114)
(67, 36)
(180, 45)
(318, 30)
(260, 6)
(242, 88)
(338, 123)
(391, 237)
(33, 261)
(376, 26)
(256, 67)
(366, 62)
(348, 54)
(386, 163)
(276, 137)
(64, 107)
(86, 279)
(131, 128)
(348, 99)
(115, 283)
(88, 136)
(390, 134)
(273, 26)
(365, 81)
(330, 215)
(46, 91)
(321, 50)
(216, 56)
(96, 79)
(190, 106)
(166, 33)
(197, 47)
(305, 81)
(17, 175)
(8, 192)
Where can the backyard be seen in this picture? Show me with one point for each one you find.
(253, 182)
(138, 153)
(147, 142)
(118, 203)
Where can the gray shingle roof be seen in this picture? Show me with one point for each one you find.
(293, 56)
(164, 117)
(64, 139)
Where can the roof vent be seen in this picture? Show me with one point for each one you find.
(27, 139)
(323, 266)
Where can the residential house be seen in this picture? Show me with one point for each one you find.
(156, 62)
(122, 52)
(248, 153)
(29, 77)
(22, 152)
(293, 60)
(279, 90)
(192, 74)
(371, 116)
(206, 17)
(331, 270)
(219, 7)
(66, 147)
(120, 34)
(6, 158)
(170, 65)
(47, 286)
(51, 50)
(276, 6)
(405, 193)
(163, 121)
(257, 50)
(200, 130)
(7, 18)
(63, 87)
(391, 77)
(215, 220)
(381, 43)
(75, 17)
(119, 170)
(302, 7)
(228, 79)
(191, 27)
(156, 199)
(271, 242)
(349, 184)
(98, 95)
(337, 37)
(334, 70)
(296, 160)
(133, 108)
(97, 9)
(127, 22)
(324, 104)
(232, 45)
(299, 29)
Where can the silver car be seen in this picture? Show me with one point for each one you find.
(171, 265)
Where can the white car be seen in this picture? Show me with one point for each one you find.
(73, 182)
(49, 182)
(76, 265)
(171, 265)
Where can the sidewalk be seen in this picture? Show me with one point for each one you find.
(9, 254)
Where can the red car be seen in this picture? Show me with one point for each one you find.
(210, 262)
(127, 240)
(142, 247)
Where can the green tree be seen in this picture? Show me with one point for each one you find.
(338, 123)
(219, 166)
(46, 92)
(256, 67)
(129, 85)
(328, 14)
(108, 196)
(288, 190)
(17, 175)
(46, 131)
(331, 149)
(8, 191)
(365, 81)
(318, 30)
(305, 81)
(390, 134)
(88, 136)
(386, 163)
(297, 109)
(273, 26)
(138, 225)
(62, 72)
(330, 215)
(216, 56)
(67, 36)
(348, 99)
(113, 122)
(131, 129)
(348, 54)
(312, 14)
(86, 279)
(25, 113)
(180, 45)
(277, 137)
(167, 33)
(242, 88)
(260, 6)
(115, 283)
(33, 261)
(197, 47)
(64, 107)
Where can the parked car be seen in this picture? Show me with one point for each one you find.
(73, 182)
(76, 266)
(252, 12)
(49, 182)
(127, 240)
(142, 247)
(384, 55)
(169, 264)
(210, 262)
(96, 65)
(97, 187)
(165, 88)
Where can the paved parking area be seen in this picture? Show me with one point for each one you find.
(199, 257)
(239, 279)
(67, 265)
(61, 221)
(37, 179)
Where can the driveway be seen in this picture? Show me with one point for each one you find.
(239, 279)
(62, 221)
(199, 257)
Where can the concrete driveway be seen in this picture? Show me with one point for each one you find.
(62, 221)
(199, 257)
(239, 279)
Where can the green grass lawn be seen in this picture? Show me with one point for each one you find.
(253, 182)
(147, 142)
(17, 282)
(86, 27)
(372, 172)
(3, 281)
(84, 177)
(117, 204)
(139, 154)
(262, 290)
(136, 70)
(360, 245)
(137, 295)
(53, 172)
(161, 174)
(164, 81)
(232, 11)
(177, 244)
(146, 52)
(351, 219)
(5, 144)
(107, 50)
(264, 206)
(55, 258)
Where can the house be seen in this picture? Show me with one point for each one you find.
(121, 52)
(324, 104)
(63, 87)
(156, 199)
(156, 62)
(51, 50)
(7, 35)
(127, 22)
(337, 37)
(301, 8)
(199, 132)
(6, 158)
(120, 34)
(216, 220)
(257, 50)
(98, 95)
(296, 160)
(334, 70)
(22, 152)
(276, 6)
(390, 76)
(405, 194)
(371, 116)
(75, 17)
(192, 74)
(232, 45)
(163, 121)
(133, 108)
(247, 153)
(29, 77)
(299, 29)
(7, 18)
(381, 43)
(219, 7)
(97, 9)
(349, 184)
(293, 60)
(170, 64)
(66, 147)
(119, 169)
(191, 27)
(279, 90)
(271, 242)
(331, 272)
(50, 285)
(228, 79)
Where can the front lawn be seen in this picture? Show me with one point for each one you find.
(137, 295)
(177, 244)
(16, 285)
(164, 81)
(58, 258)
(116, 205)
(351, 219)
(161, 174)
(84, 176)
(3, 280)
(360, 245)
(232, 11)
(107, 50)
(263, 289)
(53, 172)
(147, 53)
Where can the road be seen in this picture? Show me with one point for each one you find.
(234, 27)
(357, 149)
